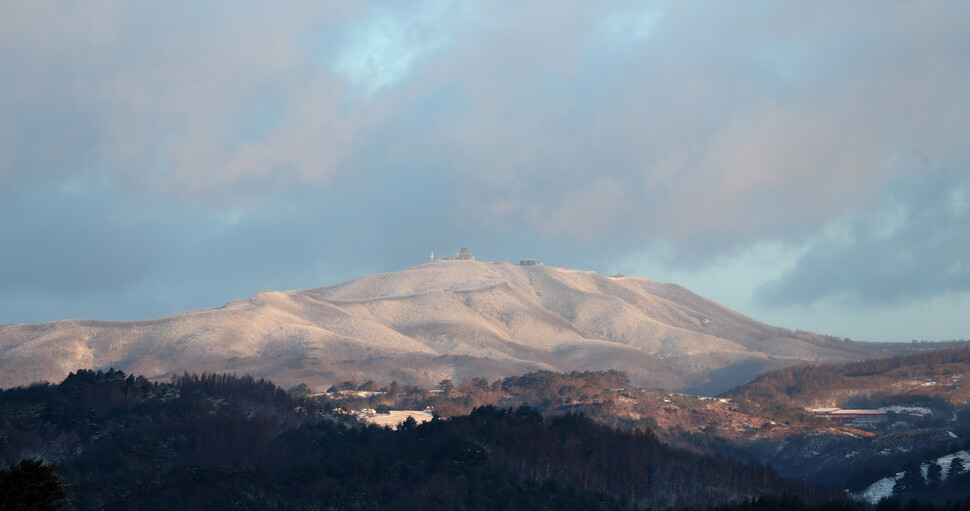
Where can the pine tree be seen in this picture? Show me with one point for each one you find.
(31, 485)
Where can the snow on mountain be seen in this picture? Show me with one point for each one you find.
(447, 319)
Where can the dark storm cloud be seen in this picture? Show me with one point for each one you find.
(76, 250)
(72, 238)
(913, 247)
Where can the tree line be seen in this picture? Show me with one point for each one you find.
(223, 441)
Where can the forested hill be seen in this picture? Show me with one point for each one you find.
(932, 375)
(215, 441)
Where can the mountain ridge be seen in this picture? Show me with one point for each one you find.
(445, 319)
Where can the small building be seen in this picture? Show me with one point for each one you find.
(527, 262)
(824, 411)
(853, 417)
(463, 255)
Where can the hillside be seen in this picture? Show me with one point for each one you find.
(222, 442)
(898, 454)
(937, 375)
(122, 441)
(448, 319)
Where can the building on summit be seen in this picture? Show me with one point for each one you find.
(463, 255)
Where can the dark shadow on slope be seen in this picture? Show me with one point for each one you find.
(733, 375)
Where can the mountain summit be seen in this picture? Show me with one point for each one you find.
(446, 319)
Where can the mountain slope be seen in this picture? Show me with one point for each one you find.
(223, 442)
(448, 319)
(933, 375)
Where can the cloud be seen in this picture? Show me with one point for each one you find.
(585, 131)
(710, 116)
(71, 238)
(158, 99)
(722, 139)
(384, 51)
(913, 247)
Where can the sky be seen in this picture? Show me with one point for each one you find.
(804, 163)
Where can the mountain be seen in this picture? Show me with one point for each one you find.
(447, 319)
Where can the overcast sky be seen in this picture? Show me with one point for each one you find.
(805, 163)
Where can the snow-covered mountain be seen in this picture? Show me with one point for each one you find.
(447, 319)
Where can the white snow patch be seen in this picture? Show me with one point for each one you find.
(952, 434)
(881, 489)
(944, 462)
(903, 409)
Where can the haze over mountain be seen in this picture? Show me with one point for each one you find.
(447, 319)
